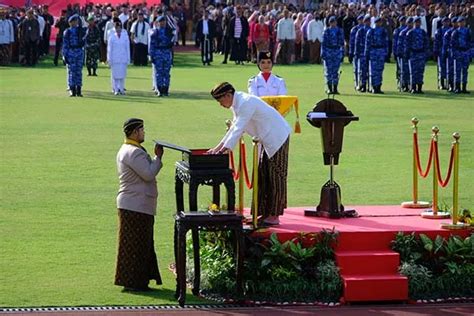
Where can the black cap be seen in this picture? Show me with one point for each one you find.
(131, 124)
(264, 55)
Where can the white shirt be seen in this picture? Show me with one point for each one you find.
(118, 49)
(256, 118)
(139, 36)
(259, 87)
(123, 18)
(434, 26)
(6, 32)
(108, 26)
(315, 30)
(286, 29)
(205, 27)
(42, 24)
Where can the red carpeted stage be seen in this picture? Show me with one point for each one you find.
(367, 264)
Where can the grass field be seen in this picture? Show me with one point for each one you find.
(58, 222)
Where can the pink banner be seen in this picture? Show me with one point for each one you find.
(55, 6)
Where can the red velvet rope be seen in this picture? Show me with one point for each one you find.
(246, 173)
(235, 173)
(441, 182)
(417, 157)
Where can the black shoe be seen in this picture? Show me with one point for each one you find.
(363, 88)
(464, 88)
(72, 91)
(450, 86)
(457, 88)
(335, 89)
(89, 73)
(405, 88)
(78, 91)
(166, 91)
(420, 91)
(224, 62)
(329, 90)
(379, 90)
(94, 72)
(413, 89)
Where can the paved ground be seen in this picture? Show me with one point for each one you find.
(461, 309)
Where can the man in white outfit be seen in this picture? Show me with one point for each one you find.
(266, 83)
(118, 58)
(254, 117)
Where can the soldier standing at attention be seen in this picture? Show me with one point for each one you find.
(402, 43)
(418, 49)
(161, 43)
(266, 83)
(332, 54)
(439, 53)
(396, 50)
(92, 47)
(447, 51)
(355, 61)
(376, 47)
(461, 46)
(359, 55)
(73, 54)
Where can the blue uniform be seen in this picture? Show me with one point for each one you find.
(161, 56)
(396, 51)
(376, 47)
(402, 43)
(461, 46)
(448, 55)
(332, 52)
(73, 52)
(438, 51)
(359, 55)
(417, 49)
(355, 63)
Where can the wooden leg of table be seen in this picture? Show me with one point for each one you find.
(176, 258)
(193, 191)
(181, 265)
(240, 260)
(178, 188)
(216, 195)
(197, 261)
(230, 187)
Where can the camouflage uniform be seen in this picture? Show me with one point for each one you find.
(161, 57)
(461, 45)
(92, 40)
(332, 53)
(73, 53)
(376, 47)
(417, 50)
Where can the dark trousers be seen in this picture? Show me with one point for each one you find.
(31, 53)
(226, 47)
(45, 44)
(57, 49)
(182, 34)
(140, 55)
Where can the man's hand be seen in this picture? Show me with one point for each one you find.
(215, 150)
(159, 151)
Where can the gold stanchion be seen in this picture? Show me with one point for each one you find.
(228, 123)
(255, 141)
(415, 203)
(241, 176)
(455, 217)
(434, 213)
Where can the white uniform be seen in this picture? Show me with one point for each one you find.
(256, 118)
(118, 57)
(259, 87)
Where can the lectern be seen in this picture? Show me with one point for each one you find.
(331, 116)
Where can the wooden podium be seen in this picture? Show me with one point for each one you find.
(331, 116)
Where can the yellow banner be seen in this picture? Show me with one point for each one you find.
(283, 104)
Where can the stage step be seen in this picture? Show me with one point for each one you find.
(387, 287)
(362, 241)
(368, 262)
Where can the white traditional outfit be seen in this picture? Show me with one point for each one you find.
(118, 57)
(260, 87)
(256, 118)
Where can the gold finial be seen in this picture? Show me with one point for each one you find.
(255, 139)
(435, 130)
(456, 136)
(414, 121)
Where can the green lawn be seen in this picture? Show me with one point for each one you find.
(58, 222)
